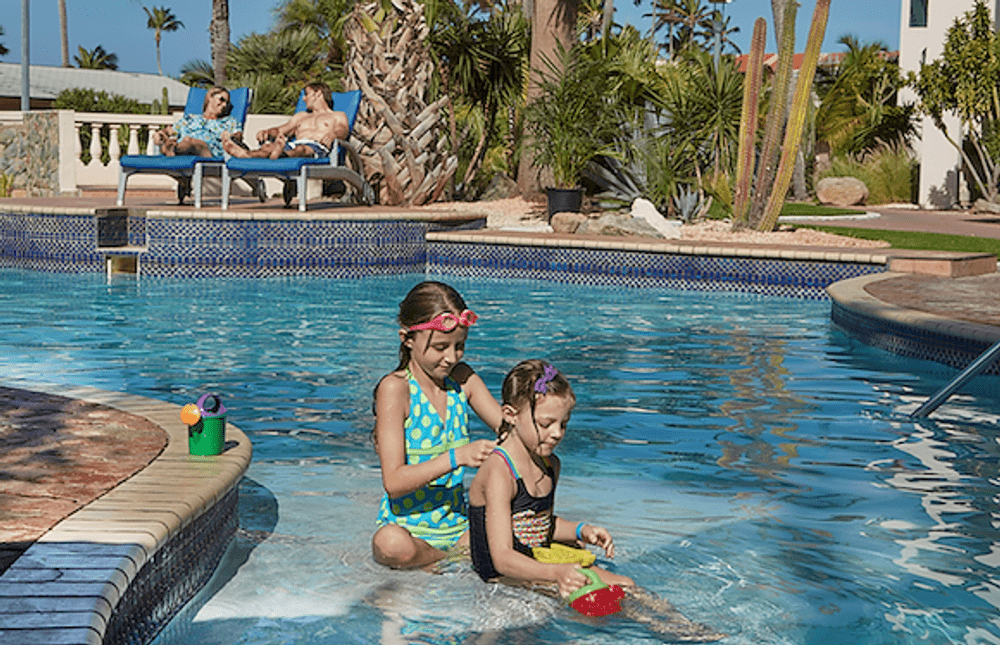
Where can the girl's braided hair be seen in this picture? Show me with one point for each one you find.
(528, 381)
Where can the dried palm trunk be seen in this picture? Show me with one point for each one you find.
(400, 135)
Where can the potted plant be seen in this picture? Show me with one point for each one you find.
(570, 123)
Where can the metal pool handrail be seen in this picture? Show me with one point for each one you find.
(985, 360)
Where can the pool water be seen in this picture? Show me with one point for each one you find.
(754, 463)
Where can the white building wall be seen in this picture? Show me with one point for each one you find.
(940, 184)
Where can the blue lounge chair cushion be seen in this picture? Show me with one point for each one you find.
(163, 162)
(281, 165)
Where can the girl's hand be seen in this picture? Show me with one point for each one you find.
(598, 536)
(569, 578)
(474, 453)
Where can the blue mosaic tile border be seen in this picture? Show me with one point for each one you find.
(199, 247)
(173, 575)
(635, 269)
(907, 340)
(55, 243)
(214, 248)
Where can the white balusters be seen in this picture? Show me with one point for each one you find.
(114, 146)
(133, 139)
(95, 143)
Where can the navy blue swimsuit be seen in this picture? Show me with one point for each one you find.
(532, 522)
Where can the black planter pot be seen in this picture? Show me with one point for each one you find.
(564, 200)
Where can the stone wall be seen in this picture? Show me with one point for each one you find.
(29, 152)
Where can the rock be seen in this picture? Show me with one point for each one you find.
(500, 187)
(983, 206)
(568, 222)
(841, 191)
(645, 210)
(620, 224)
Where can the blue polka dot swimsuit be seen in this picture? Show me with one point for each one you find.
(438, 511)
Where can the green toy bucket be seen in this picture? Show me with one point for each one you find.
(208, 435)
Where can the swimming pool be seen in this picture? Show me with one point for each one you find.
(755, 464)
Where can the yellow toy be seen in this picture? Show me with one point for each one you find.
(558, 553)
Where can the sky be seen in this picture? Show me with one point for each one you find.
(120, 27)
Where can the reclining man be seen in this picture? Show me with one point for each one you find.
(306, 134)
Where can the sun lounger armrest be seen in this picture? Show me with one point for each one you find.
(352, 152)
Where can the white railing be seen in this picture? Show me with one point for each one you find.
(96, 174)
(74, 173)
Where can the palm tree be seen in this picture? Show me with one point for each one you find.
(218, 31)
(553, 26)
(327, 17)
(482, 61)
(64, 33)
(665, 14)
(198, 73)
(96, 58)
(3, 50)
(858, 106)
(161, 19)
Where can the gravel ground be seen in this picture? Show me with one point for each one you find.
(520, 214)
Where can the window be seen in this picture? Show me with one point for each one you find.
(918, 13)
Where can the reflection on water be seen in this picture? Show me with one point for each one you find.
(754, 464)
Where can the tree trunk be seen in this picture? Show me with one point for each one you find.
(553, 21)
(609, 18)
(401, 137)
(64, 33)
(218, 31)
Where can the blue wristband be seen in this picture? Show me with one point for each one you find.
(451, 457)
(579, 531)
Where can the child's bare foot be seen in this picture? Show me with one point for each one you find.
(232, 148)
(168, 145)
(278, 148)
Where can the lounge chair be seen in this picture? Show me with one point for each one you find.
(188, 170)
(294, 172)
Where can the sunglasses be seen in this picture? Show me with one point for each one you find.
(448, 321)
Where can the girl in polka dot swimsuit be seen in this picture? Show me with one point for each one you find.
(421, 430)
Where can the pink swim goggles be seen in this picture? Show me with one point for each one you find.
(448, 321)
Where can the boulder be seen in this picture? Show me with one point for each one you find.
(500, 187)
(568, 222)
(620, 224)
(644, 209)
(841, 191)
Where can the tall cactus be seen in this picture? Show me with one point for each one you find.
(797, 117)
(748, 124)
(775, 116)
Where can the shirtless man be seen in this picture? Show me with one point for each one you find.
(314, 131)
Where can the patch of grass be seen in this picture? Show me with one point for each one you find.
(814, 210)
(919, 241)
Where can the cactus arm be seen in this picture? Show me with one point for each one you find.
(775, 115)
(748, 123)
(797, 119)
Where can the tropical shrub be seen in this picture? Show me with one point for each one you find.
(858, 101)
(572, 121)
(889, 171)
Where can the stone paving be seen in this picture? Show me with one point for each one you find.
(58, 455)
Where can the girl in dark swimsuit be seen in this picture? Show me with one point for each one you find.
(511, 498)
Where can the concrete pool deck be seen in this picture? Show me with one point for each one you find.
(83, 465)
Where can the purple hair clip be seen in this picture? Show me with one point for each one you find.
(541, 385)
